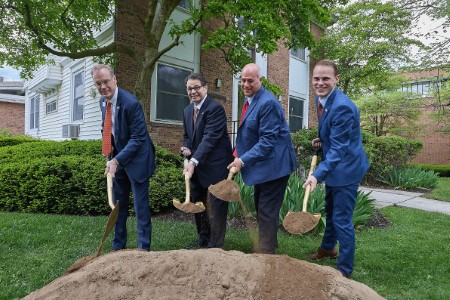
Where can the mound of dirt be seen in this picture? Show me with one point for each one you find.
(202, 274)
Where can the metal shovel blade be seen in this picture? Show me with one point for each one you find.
(188, 206)
(226, 190)
(298, 222)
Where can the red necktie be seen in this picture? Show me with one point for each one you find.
(319, 110)
(243, 112)
(107, 126)
(195, 115)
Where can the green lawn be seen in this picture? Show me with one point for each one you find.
(441, 191)
(408, 260)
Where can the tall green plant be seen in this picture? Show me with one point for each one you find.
(411, 177)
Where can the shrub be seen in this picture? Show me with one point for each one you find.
(412, 177)
(303, 149)
(442, 170)
(67, 178)
(388, 153)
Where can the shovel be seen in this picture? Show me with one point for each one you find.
(109, 226)
(298, 222)
(227, 190)
(187, 205)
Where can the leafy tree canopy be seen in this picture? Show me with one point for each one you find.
(437, 10)
(367, 40)
(31, 30)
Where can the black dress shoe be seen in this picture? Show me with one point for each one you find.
(197, 244)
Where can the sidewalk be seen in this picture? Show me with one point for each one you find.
(385, 198)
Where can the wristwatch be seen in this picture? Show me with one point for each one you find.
(192, 162)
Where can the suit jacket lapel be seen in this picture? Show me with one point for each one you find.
(253, 104)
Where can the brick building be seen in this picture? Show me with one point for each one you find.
(436, 142)
(12, 106)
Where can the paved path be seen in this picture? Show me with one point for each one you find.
(385, 198)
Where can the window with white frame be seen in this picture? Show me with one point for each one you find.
(299, 53)
(296, 113)
(171, 96)
(78, 96)
(50, 107)
(34, 112)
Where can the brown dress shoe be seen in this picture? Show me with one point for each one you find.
(321, 254)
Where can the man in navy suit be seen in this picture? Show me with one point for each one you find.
(132, 161)
(343, 165)
(208, 146)
(264, 154)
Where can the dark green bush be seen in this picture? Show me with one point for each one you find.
(442, 170)
(67, 178)
(387, 153)
(303, 149)
(11, 141)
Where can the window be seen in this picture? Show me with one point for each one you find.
(185, 4)
(299, 53)
(50, 107)
(171, 96)
(34, 112)
(296, 113)
(78, 96)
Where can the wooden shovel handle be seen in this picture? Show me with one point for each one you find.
(188, 188)
(308, 187)
(231, 173)
(109, 181)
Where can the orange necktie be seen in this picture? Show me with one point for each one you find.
(107, 126)
(195, 115)
(320, 110)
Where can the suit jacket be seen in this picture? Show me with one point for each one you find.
(133, 147)
(209, 141)
(263, 141)
(344, 160)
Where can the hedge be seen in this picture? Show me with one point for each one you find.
(67, 178)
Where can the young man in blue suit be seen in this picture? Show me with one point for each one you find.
(343, 165)
(132, 160)
(207, 144)
(264, 154)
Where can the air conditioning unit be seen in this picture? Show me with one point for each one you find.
(71, 131)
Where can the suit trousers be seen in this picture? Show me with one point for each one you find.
(211, 224)
(122, 188)
(339, 206)
(268, 199)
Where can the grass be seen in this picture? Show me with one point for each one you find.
(408, 260)
(441, 191)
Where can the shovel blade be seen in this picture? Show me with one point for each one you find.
(226, 190)
(189, 207)
(299, 222)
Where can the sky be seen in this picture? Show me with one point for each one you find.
(9, 73)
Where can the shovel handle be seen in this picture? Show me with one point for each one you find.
(308, 187)
(188, 188)
(109, 181)
(231, 173)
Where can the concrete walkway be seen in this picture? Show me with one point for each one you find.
(385, 198)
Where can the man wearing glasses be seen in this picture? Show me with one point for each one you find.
(130, 159)
(207, 145)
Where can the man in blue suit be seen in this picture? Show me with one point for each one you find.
(207, 144)
(132, 160)
(343, 165)
(264, 154)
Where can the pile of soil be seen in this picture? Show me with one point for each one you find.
(202, 274)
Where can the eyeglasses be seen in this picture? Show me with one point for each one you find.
(104, 82)
(194, 88)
